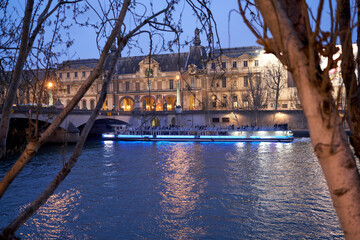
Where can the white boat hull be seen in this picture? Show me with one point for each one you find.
(277, 137)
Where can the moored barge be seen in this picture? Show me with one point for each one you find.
(201, 134)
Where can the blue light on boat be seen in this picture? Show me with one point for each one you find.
(174, 136)
(269, 137)
(133, 136)
(105, 135)
(222, 137)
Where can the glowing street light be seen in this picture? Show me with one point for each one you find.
(51, 100)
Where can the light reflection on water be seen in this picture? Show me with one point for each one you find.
(181, 191)
(142, 190)
(49, 221)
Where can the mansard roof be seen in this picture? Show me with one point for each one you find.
(167, 62)
(75, 64)
(196, 56)
(237, 52)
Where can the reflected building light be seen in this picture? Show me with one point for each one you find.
(51, 216)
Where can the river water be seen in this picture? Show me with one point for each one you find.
(145, 190)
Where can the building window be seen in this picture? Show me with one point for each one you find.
(92, 104)
(148, 85)
(137, 86)
(245, 63)
(234, 65)
(284, 106)
(84, 104)
(225, 120)
(223, 64)
(246, 81)
(60, 75)
(223, 82)
(68, 75)
(84, 74)
(159, 85)
(256, 63)
(75, 73)
(212, 65)
(213, 101)
(192, 82)
(215, 120)
(246, 104)
(224, 102)
(171, 84)
(127, 86)
(234, 101)
(68, 89)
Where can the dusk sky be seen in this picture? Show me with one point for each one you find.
(85, 45)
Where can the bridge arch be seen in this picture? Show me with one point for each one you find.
(102, 125)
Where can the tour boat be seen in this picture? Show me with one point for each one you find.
(201, 134)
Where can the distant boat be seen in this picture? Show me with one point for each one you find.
(200, 134)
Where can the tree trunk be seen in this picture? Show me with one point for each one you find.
(329, 140)
(15, 80)
(348, 74)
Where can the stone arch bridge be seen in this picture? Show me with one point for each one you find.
(78, 118)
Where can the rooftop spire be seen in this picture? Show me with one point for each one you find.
(197, 41)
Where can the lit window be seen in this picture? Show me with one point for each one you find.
(246, 104)
(213, 100)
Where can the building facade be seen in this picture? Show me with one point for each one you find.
(227, 79)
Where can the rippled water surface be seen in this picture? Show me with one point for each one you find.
(140, 190)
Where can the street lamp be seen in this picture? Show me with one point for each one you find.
(51, 100)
